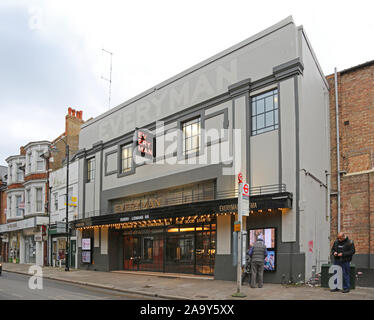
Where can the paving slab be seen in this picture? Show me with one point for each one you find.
(175, 286)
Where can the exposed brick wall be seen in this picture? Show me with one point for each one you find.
(356, 127)
(36, 176)
(15, 186)
(73, 124)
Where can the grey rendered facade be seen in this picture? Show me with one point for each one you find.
(220, 92)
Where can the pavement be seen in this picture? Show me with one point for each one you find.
(188, 287)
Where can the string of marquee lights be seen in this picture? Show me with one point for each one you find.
(169, 220)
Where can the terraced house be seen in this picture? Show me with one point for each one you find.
(28, 193)
(158, 173)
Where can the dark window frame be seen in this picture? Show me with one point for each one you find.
(125, 143)
(89, 171)
(274, 111)
(180, 140)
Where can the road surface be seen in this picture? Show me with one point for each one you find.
(15, 286)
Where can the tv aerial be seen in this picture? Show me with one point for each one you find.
(110, 75)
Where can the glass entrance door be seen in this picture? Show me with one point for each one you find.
(132, 252)
(180, 255)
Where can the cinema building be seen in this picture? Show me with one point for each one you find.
(158, 173)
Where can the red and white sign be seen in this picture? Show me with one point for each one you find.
(240, 178)
(145, 142)
(243, 199)
(245, 189)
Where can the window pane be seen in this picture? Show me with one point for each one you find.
(124, 153)
(188, 131)
(254, 127)
(195, 129)
(269, 103)
(276, 116)
(260, 121)
(188, 145)
(195, 143)
(275, 101)
(260, 106)
(253, 107)
(269, 119)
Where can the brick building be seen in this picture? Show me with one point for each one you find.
(356, 148)
(73, 122)
(27, 193)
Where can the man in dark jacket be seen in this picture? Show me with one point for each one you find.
(342, 251)
(258, 254)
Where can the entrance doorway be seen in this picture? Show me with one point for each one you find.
(143, 252)
(182, 248)
(73, 250)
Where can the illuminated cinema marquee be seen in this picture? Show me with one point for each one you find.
(145, 143)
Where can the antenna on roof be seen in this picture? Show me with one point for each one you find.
(110, 76)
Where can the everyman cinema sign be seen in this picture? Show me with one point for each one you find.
(145, 143)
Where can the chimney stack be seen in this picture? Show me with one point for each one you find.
(76, 114)
(22, 151)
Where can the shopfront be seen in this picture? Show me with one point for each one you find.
(57, 247)
(26, 240)
(175, 248)
(184, 238)
(14, 247)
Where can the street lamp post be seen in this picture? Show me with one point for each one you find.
(67, 210)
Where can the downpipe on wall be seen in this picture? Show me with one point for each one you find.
(337, 143)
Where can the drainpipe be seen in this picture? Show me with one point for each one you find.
(328, 190)
(369, 212)
(337, 143)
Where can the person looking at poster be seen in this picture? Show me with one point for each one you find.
(258, 253)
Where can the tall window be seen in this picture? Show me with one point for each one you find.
(191, 136)
(265, 112)
(39, 199)
(126, 158)
(55, 201)
(90, 169)
(28, 200)
(18, 209)
(29, 162)
(10, 174)
(19, 174)
(39, 162)
(9, 207)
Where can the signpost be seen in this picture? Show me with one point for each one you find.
(243, 209)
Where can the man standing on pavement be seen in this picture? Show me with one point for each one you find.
(343, 250)
(258, 254)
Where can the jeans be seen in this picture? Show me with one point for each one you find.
(346, 273)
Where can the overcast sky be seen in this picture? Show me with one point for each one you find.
(51, 54)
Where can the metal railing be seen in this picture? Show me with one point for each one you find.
(207, 195)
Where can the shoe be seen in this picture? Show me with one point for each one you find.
(334, 290)
(253, 287)
(260, 287)
(345, 291)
